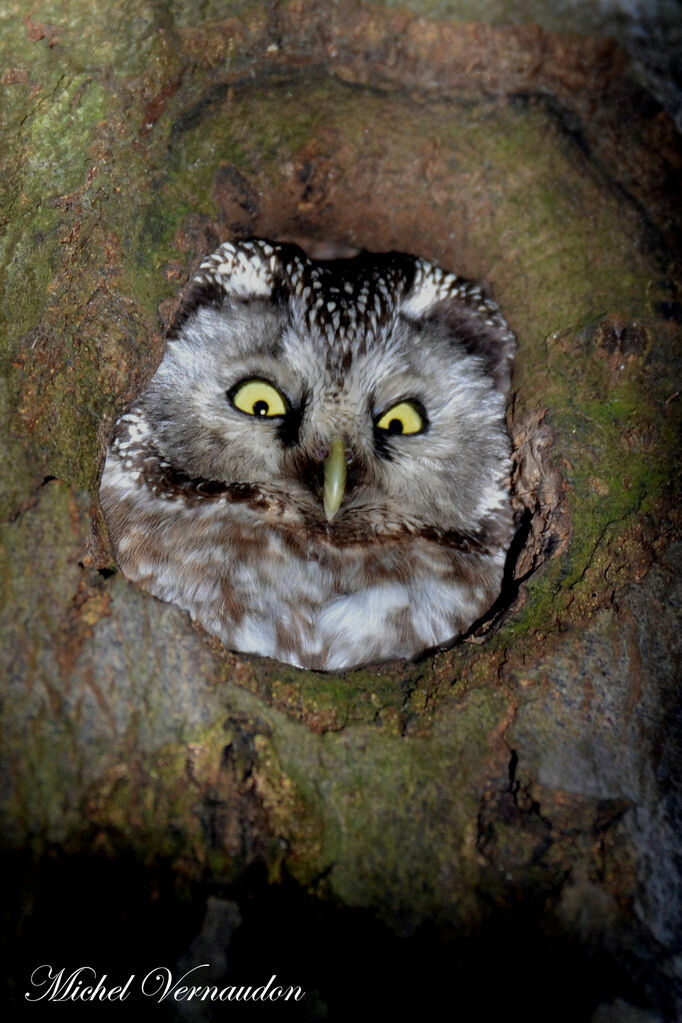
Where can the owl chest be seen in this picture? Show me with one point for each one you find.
(303, 600)
(260, 568)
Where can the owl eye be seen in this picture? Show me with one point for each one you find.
(258, 398)
(405, 417)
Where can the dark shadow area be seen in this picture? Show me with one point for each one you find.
(121, 918)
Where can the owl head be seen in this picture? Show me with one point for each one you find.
(359, 397)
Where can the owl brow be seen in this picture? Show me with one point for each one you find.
(275, 346)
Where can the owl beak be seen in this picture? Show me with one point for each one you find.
(334, 477)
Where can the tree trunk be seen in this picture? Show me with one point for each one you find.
(501, 821)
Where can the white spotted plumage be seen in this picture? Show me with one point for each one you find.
(221, 512)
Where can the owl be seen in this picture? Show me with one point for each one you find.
(319, 470)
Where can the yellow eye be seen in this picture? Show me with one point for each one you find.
(258, 398)
(404, 417)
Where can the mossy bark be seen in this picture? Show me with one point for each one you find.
(536, 764)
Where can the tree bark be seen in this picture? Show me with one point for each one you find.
(515, 797)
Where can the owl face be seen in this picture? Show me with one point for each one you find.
(256, 391)
(345, 419)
